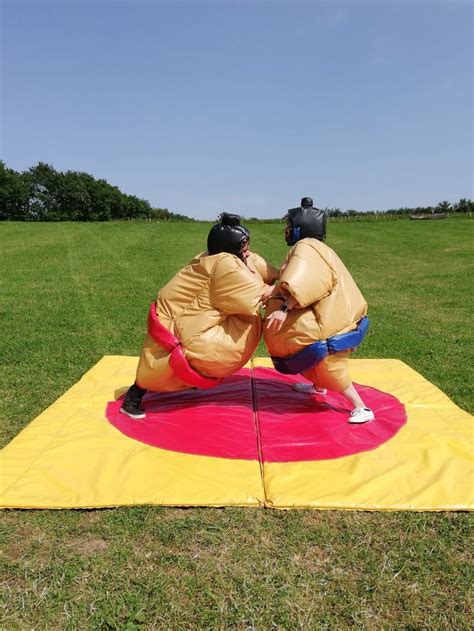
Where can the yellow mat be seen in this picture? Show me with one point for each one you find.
(427, 466)
(71, 457)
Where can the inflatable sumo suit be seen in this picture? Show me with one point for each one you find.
(256, 263)
(330, 305)
(205, 324)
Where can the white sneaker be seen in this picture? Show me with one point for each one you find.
(361, 415)
(299, 386)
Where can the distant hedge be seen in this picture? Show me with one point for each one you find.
(444, 207)
(463, 206)
(43, 194)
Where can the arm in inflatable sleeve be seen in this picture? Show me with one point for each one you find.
(307, 277)
(234, 289)
(267, 271)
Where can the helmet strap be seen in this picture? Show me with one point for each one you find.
(296, 234)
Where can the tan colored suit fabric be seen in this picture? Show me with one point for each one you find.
(329, 302)
(266, 270)
(212, 306)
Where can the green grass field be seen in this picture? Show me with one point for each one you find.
(72, 293)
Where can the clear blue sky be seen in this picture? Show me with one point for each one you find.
(246, 106)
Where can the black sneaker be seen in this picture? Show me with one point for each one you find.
(133, 411)
(131, 405)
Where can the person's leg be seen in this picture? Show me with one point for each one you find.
(131, 406)
(361, 413)
(333, 373)
(353, 396)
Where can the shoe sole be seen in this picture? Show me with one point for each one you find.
(136, 417)
(322, 393)
(361, 422)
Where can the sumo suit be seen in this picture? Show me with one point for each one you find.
(258, 265)
(329, 303)
(205, 323)
(211, 307)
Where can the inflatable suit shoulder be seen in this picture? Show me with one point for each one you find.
(233, 290)
(211, 306)
(309, 274)
(266, 270)
(329, 301)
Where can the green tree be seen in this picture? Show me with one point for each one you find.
(443, 207)
(105, 201)
(44, 184)
(13, 194)
(135, 208)
(464, 206)
(43, 194)
(73, 197)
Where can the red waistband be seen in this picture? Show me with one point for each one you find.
(178, 362)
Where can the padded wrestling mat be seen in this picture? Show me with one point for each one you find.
(251, 441)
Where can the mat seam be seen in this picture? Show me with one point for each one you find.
(258, 436)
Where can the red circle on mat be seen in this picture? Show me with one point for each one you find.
(285, 426)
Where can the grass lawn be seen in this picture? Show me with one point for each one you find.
(72, 293)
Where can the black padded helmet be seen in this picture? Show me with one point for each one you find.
(229, 219)
(306, 202)
(305, 221)
(227, 236)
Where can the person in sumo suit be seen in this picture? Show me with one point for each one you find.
(317, 315)
(205, 324)
(256, 263)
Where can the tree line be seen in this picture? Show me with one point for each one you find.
(443, 208)
(43, 194)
